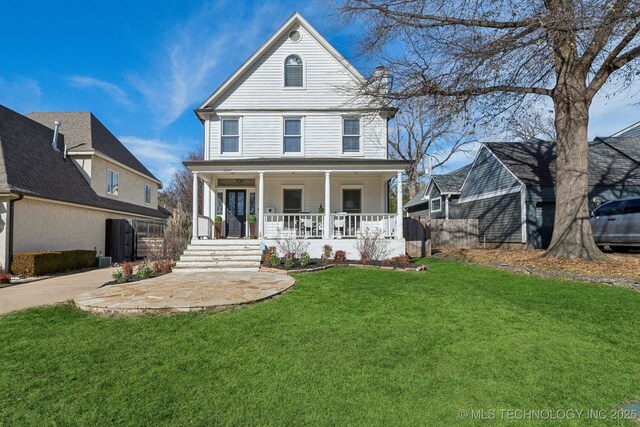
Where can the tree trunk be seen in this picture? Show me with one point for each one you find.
(412, 178)
(572, 237)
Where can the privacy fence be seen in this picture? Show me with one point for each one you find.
(422, 236)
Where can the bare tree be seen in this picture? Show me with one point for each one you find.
(426, 131)
(179, 192)
(532, 124)
(492, 55)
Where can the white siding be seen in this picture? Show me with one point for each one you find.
(261, 134)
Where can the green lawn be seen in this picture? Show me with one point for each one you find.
(345, 347)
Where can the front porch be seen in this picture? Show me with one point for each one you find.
(297, 201)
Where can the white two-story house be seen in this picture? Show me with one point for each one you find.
(287, 140)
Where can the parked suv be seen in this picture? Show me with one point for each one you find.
(617, 224)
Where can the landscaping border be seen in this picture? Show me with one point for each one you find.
(352, 265)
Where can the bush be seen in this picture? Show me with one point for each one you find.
(341, 256)
(39, 263)
(162, 266)
(288, 262)
(266, 257)
(275, 260)
(371, 245)
(127, 269)
(178, 234)
(327, 251)
(252, 218)
(144, 271)
(118, 276)
(5, 279)
(305, 259)
(218, 218)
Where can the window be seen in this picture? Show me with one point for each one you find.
(219, 203)
(608, 209)
(230, 136)
(351, 135)
(632, 207)
(293, 71)
(352, 201)
(112, 182)
(436, 204)
(292, 135)
(292, 200)
(252, 203)
(147, 194)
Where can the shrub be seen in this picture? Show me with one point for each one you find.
(327, 251)
(218, 218)
(178, 234)
(144, 271)
(155, 267)
(252, 218)
(305, 259)
(118, 276)
(5, 279)
(398, 260)
(341, 256)
(371, 245)
(275, 260)
(166, 265)
(266, 257)
(39, 263)
(291, 245)
(127, 269)
(288, 262)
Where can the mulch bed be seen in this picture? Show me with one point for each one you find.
(132, 279)
(614, 269)
(319, 265)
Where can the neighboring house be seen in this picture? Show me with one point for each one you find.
(439, 198)
(58, 188)
(510, 187)
(289, 141)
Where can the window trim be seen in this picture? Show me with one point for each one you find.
(284, 73)
(439, 199)
(360, 151)
(293, 153)
(291, 187)
(117, 186)
(352, 187)
(231, 153)
(147, 186)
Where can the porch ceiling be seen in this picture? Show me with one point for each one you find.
(293, 164)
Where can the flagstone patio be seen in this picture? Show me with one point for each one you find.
(183, 292)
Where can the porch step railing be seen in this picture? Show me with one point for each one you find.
(341, 225)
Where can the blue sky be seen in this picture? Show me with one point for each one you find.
(141, 67)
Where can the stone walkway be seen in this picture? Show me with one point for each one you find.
(182, 292)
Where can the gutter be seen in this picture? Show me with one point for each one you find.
(11, 221)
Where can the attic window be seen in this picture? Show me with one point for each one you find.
(293, 71)
(295, 36)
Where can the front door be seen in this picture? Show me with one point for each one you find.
(236, 215)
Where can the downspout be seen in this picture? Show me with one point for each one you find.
(446, 206)
(11, 221)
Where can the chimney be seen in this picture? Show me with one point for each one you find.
(381, 79)
(56, 131)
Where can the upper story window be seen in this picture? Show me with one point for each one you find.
(230, 142)
(292, 141)
(293, 71)
(112, 182)
(351, 135)
(436, 204)
(147, 194)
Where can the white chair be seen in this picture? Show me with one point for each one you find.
(338, 224)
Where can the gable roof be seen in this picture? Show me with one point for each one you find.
(84, 132)
(30, 166)
(629, 131)
(612, 161)
(447, 183)
(295, 19)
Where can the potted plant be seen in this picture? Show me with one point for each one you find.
(218, 226)
(252, 226)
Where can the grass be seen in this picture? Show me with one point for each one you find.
(345, 347)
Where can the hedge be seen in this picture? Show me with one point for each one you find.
(39, 263)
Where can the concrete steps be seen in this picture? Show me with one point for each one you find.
(221, 255)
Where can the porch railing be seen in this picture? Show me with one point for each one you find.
(341, 225)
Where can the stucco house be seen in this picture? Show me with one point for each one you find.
(510, 187)
(62, 176)
(288, 140)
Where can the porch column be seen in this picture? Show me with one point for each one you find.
(327, 229)
(399, 203)
(206, 198)
(261, 205)
(212, 206)
(194, 227)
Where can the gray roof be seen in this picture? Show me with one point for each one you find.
(84, 132)
(629, 131)
(30, 166)
(447, 183)
(612, 161)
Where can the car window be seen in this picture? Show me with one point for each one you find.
(607, 209)
(632, 206)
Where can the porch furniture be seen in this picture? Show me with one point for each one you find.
(339, 224)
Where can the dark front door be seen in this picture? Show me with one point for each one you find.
(236, 215)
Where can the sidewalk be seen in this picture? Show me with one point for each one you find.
(51, 291)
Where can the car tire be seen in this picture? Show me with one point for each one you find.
(621, 248)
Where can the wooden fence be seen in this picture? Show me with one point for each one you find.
(149, 247)
(421, 236)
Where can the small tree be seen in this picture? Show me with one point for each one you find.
(372, 245)
(178, 234)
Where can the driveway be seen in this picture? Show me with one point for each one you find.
(51, 291)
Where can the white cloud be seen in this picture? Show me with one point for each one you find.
(111, 89)
(161, 157)
(21, 94)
